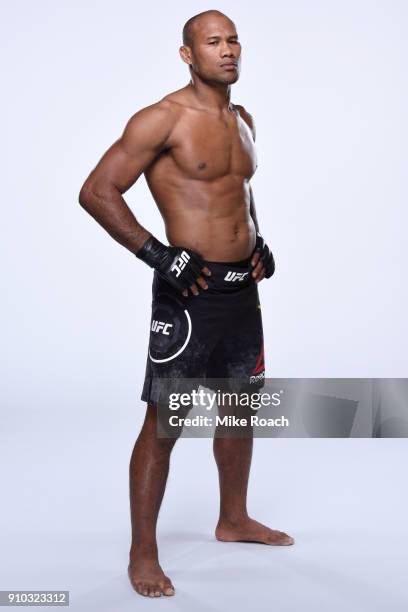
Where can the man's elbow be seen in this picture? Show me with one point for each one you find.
(92, 194)
(85, 195)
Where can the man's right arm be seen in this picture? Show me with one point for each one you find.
(146, 134)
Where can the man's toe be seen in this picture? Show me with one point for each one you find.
(168, 589)
(287, 539)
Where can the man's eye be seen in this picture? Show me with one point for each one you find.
(215, 42)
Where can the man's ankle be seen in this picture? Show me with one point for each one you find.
(144, 551)
(232, 518)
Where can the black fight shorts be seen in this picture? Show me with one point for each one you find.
(217, 334)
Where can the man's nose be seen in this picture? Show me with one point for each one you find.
(226, 50)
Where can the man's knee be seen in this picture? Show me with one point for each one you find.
(155, 429)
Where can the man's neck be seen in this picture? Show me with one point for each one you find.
(214, 96)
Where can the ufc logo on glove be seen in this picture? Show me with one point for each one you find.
(181, 263)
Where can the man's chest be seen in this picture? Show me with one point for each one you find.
(210, 147)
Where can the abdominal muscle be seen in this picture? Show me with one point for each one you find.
(229, 239)
(215, 225)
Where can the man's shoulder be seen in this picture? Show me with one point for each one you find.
(162, 109)
(159, 116)
(247, 117)
(245, 114)
(168, 109)
(180, 100)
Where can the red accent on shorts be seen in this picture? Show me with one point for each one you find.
(260, 365)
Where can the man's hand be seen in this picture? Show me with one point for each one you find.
(262, 260)
(179, 266)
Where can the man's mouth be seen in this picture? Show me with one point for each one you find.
(229, 65)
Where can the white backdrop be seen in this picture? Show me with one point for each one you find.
(326, 82)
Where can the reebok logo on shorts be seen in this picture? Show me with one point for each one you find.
(161, 327)
(257, 378)
(181, 263)
(235, 276)
(258, 372)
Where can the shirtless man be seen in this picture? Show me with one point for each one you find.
(196, 150)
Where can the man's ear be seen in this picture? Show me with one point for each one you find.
(185, 54)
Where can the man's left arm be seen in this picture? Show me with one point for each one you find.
(258, 272)
(262, 259)
(252, 210)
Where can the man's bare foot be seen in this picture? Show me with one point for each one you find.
(148, 578)
(248, 530)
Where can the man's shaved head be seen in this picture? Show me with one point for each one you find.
(211, 48)
(188, 30)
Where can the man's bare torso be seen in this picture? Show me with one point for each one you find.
(200, 181)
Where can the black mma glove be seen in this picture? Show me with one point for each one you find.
(265, 255)
(180, 267)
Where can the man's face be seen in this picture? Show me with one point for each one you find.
(215, 53)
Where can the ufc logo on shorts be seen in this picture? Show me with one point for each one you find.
(160, 327)
(235, 276)
(181, 263)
